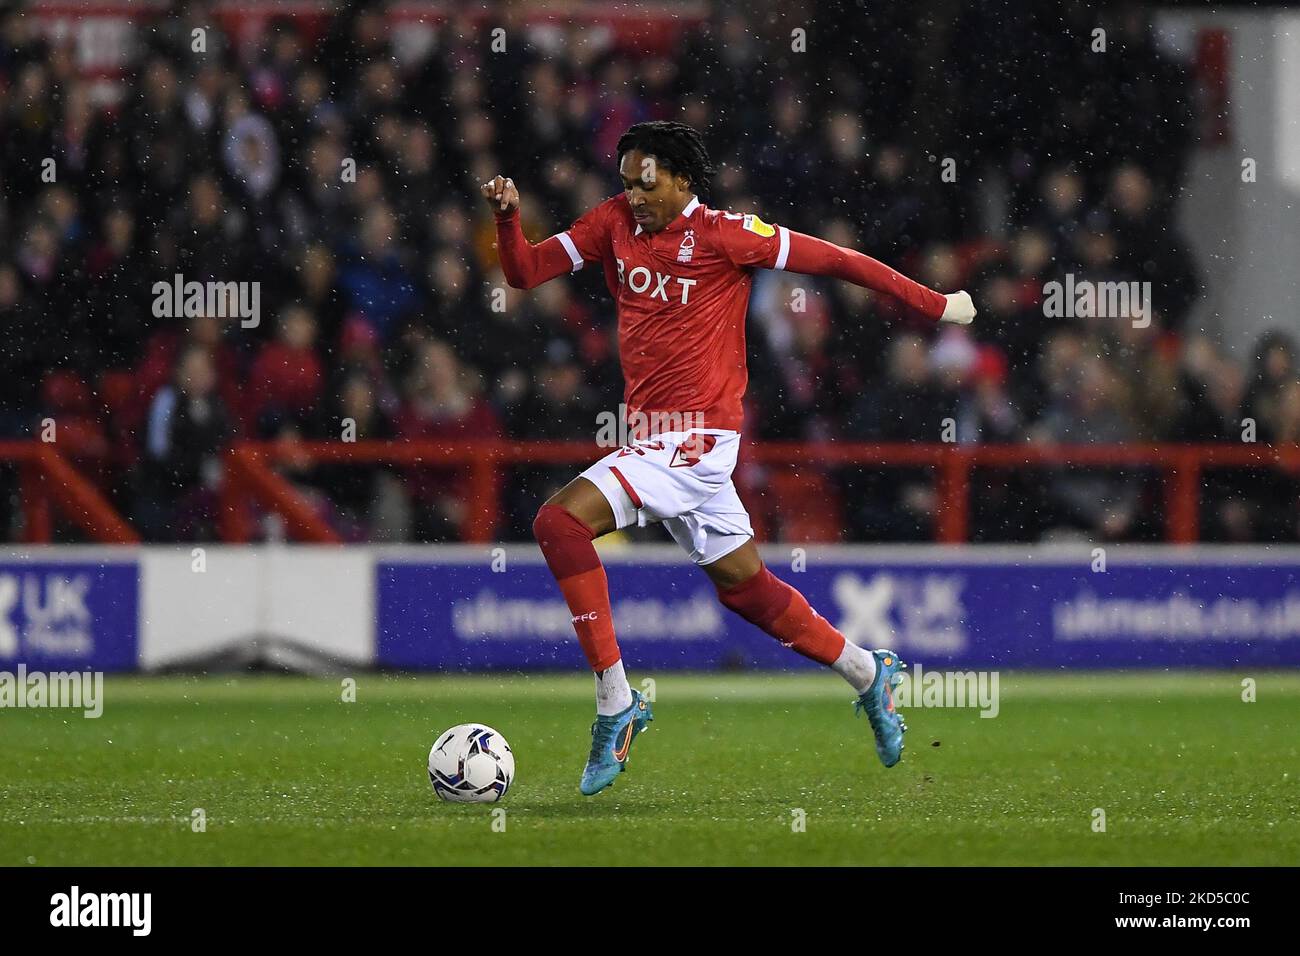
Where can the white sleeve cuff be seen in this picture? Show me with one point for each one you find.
(783, 252)
(571, 249)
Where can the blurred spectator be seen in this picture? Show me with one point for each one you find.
(1213, 388)
(795, 376)
(374, 274)
(355, 487)
(188, 427)
(250, 150)
(441, 402)
(287, 380)
(896, 504)
(161, 354)
(1088, 409)
(1273, 373)
(1148, 250)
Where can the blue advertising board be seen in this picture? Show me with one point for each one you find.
(956, 611)
(69, 615)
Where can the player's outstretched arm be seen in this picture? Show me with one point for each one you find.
(812, 256)
(525, 265)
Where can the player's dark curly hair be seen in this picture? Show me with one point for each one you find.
(677, 147)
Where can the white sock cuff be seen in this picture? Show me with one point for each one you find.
(613, 694)
(856, 665)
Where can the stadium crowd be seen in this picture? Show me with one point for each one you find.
(377, 289)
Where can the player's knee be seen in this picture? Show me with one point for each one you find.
(566, 542)
(553, 523)
(728, 574)
(545, 522)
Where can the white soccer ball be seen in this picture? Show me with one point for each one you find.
(471, 763)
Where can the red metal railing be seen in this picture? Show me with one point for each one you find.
(251, 474)
(49, 485)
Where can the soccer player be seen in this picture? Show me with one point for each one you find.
(680, 276)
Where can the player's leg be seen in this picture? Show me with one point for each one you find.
(650, 480)
(719, 538)
(566, 527)
(746, 585)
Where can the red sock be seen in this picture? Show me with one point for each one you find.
(768, 602)
(572, 558)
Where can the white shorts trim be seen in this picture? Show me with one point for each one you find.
(625, 513)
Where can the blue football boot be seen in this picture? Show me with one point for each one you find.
(611, 742)
(878, 701)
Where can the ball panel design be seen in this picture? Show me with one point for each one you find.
(471, 763)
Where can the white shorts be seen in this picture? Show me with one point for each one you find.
(682, 479)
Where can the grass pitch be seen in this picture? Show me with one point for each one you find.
(288, 774)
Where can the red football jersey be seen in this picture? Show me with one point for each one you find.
(682, 294)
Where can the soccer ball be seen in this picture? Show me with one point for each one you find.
(471, 763)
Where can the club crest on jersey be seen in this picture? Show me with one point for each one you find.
(687, 248)
(758, 227)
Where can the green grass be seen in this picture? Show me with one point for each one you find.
(288, 774)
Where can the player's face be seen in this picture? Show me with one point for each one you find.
(657, 196)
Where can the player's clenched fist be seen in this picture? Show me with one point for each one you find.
(959, 309)
(501, 194)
